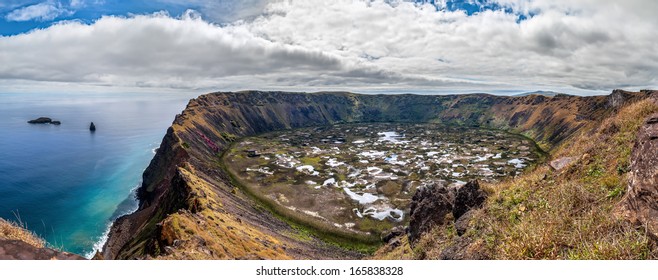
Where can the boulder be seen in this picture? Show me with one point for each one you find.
(429, 207)
(463, 223)
(468, 197)
(389, 235)
(92, 127)
(561, 163)
(641, 201)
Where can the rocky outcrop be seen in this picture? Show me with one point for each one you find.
(428, 208)
(642, 195)
(431, 205)
(19, 250)
(18, 243)
(205, 129)
(463, 223)
(468, 197)
(44, 120)
(92, 127)
(40, 120)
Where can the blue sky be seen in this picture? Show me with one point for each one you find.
(224, 11)
(87, 11)
(586, 46)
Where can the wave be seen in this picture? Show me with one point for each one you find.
(98, 245)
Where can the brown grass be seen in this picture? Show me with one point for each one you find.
(205, 231)
(12, 231)
(566, 214)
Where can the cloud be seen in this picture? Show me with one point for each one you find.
(354, 45)
(77, 3)
(562, 44)
(44, 11)
(161, 51)
(223, 11)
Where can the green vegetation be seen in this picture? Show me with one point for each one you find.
(567, 214)
(327, 176)
(306, 228)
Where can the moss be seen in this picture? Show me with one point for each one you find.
(313, 161)
(228, 136)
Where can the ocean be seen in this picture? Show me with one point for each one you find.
(67, 184)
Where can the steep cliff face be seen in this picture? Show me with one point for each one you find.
(186, 191)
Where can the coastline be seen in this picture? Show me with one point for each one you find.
(98, 246)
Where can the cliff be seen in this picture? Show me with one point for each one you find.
(189, 207)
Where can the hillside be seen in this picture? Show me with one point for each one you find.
(578, 211)
(191, 209)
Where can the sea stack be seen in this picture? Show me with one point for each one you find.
(92, 127)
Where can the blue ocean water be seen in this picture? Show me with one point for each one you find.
(66, 183)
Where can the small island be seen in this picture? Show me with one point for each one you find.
(44, 120)
(92, 127)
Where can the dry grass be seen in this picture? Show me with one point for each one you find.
(566, 214)
(12, 231)
(205, 231)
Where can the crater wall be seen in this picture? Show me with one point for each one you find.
(185, 183)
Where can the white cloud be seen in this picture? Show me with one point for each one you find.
(77, 3)
(354, 45)
(160, 51)
(224, 10)
(588, 44)
(44, 11)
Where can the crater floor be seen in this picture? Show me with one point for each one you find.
(360, 177)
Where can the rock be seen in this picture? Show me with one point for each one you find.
(618, 98)
(98, 256)
(395, 242)
(463, 249)
(468, 197)
(561, 163)
(392, 233)
(463, 223)
(19, 250)
(92, 127)
(44, 120)
(642, 198)
(40, 120)
(429, 207)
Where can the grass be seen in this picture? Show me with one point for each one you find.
(15, 231)
(203, 232)
(566, 214)
(306, 226)
(313, 161)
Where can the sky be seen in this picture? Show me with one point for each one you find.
(442, 46)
